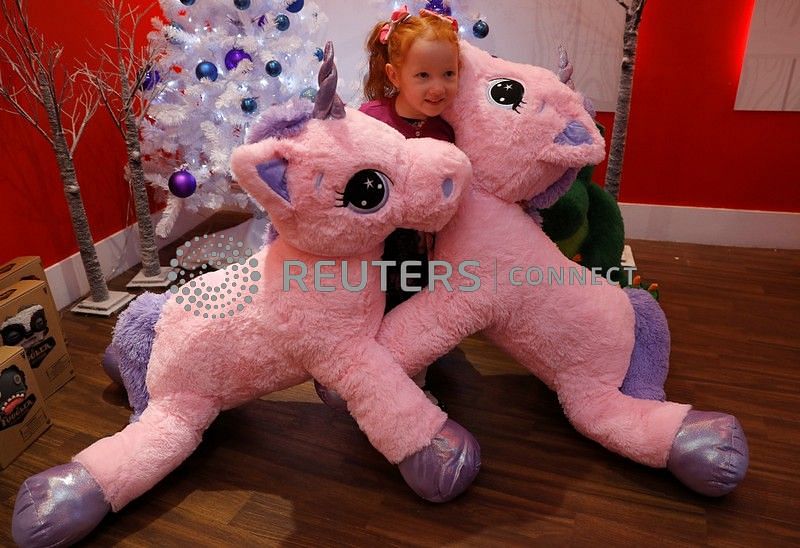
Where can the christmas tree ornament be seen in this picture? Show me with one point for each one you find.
(203, 119)
(249, 105)
(319, 54)
(480, 29)
(441, 7)
(281, 22)
(151, 78)
(273, 68)
(187, 2)
(294, 7)
(241, 4)
(175, 40)
(309, 93)
(234, 57)
(182, 183)
(206, 69)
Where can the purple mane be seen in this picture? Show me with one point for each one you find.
(281, 121)
(289, 120)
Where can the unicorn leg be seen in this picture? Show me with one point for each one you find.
(109, 473)
(649, 364)
(132, 461)
(710, 453)
(705, 451)
(437, 458)
(57, 507)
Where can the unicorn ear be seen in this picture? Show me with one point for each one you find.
(274, 174)
(260, 169)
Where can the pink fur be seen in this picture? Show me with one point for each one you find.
(199, 367)
(577, 338)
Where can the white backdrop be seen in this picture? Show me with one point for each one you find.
(526, 31)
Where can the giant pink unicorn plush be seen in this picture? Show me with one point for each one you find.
(335, 183)
(604, 351)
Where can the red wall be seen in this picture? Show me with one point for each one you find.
(686, 144)
(34, 219)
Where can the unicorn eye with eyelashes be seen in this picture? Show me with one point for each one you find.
(506, 93)
(366, 192)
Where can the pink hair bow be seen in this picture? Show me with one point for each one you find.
(398, 16)
(440, 16)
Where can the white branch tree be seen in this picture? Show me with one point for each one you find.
(42, 93)
(125, 82)
(633, 16)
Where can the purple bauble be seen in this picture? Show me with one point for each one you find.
(151, 78)
(182, 184)
(234, 57)
(439, 6)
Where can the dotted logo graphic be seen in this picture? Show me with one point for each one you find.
(230, 292)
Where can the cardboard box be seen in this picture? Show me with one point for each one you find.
(29, 319)
(23, 415)
(21, 268)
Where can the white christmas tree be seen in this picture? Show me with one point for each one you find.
(225, 62)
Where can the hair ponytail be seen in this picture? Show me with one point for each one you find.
(376, 83)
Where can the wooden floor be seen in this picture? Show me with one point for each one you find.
(287, 470)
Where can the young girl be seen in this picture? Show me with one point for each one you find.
(412, 79)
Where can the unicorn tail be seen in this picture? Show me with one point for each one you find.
(131, 346)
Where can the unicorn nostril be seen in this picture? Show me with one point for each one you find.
(447, 187)
(575, 134)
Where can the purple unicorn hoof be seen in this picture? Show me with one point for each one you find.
(110, 364)
(709, 454)
(330, 397)
(445, 468)
(57, 507)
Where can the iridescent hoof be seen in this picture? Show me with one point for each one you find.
(330, 397)
(445, 468)
(110, 364)
(709, 454)
(57, 507)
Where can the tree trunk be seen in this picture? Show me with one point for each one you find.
(72, 192)
(147, 242)
(617, 151)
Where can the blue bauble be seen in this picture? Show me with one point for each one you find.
(234, 57)
(480, 29)
(273, 68)
(151, 78)
(187, 2)
(241, 4)
(294, 7)
(309, 93)
(439, 7)
(175, 41)
(281, 22)
(249, 104)
(182, 184)
(319, 54)
(206, 69)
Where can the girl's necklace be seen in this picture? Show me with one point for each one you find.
(416, 124)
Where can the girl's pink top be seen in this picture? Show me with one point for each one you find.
(435, 127)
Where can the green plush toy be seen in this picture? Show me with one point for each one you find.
(587, 226)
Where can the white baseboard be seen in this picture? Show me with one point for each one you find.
(117, 253)
(700, 225)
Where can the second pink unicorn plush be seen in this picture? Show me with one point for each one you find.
(604, 351)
